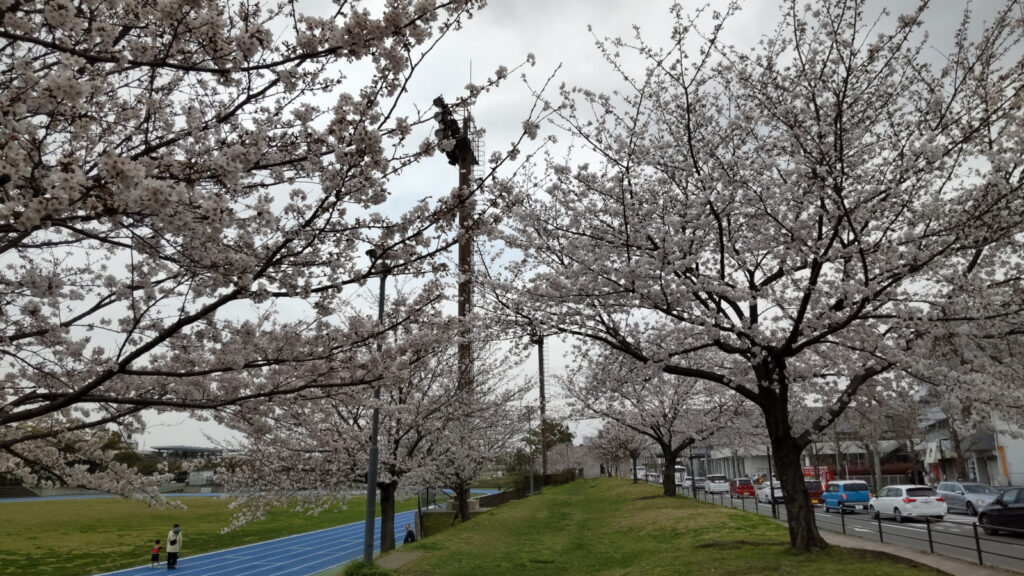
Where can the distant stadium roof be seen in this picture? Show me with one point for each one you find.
(188, 450)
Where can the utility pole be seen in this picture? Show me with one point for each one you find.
(539, 341)
(371, 469)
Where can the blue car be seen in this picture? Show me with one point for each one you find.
(846, 496)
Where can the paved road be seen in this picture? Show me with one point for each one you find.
(954, 537)
(298, 555)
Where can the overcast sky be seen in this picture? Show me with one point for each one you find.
(556, 33)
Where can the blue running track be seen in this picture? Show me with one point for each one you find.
(298, 555)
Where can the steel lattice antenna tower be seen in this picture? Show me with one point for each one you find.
(456, 139)
(462, 153)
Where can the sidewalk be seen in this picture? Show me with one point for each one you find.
(937, 561)
(397, 559)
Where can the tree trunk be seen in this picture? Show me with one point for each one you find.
(462, 498)
(387, 515)
(958, 449)
(786, 451)
(869, 451)
(634, 459)
(839, 454)
(668, 474)
(877, 462)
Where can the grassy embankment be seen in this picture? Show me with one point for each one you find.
(607, 526)
(78, 537)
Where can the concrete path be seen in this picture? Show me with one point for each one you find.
(939, 562)
(397, 559)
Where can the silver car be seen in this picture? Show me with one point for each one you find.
(765, 490)
(968, 497)
(716, 484)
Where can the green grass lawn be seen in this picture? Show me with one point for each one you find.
(608, 526)
(79, 537)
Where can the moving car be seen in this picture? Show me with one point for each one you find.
(741, 487)
(716, 484)
(1006, 511)
(907, 501)
(814, 490)
(766, 489)
(846, 496)
(967, 496)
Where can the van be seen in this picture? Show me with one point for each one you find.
(680, 473)
(846, 496)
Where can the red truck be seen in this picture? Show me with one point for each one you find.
(814, 490)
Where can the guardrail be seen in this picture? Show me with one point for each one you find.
(935, 536)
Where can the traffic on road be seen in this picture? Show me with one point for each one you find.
(985, 525)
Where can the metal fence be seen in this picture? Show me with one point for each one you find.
(961, 540)
(438, 500)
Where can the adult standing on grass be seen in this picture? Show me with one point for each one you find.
(173, 547)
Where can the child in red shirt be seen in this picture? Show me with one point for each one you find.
(154, 559)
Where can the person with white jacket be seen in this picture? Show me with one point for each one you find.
(173, 547)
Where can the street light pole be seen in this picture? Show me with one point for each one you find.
(371, 471)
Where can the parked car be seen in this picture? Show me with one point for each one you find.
(907, 501)
(741, 487)
(846, 496)
(766, 489)
(700, 481)
(1006, 511)
(680, 473)
(716, 484)
(968, 497)
(814, 491)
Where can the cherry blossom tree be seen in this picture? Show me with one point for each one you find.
(566, 457)
(834, 207)
(481, 434)
(311, 451)
(672, 412)
(175, 173)
(613, 442)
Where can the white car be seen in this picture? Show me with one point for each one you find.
(907, 501)
(765, 490)
(716, 484)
